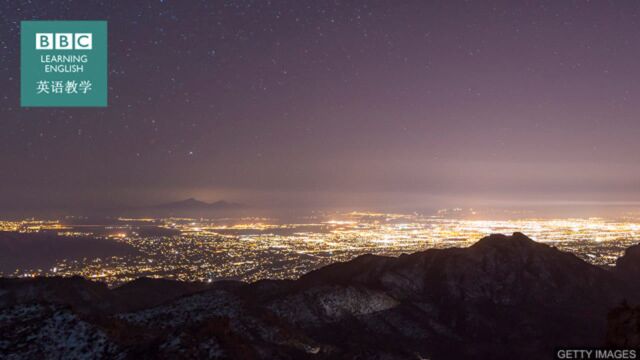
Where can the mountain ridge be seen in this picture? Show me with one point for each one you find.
(190, 207)
(192, 203)
(503, 297)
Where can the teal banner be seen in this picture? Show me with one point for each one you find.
(63, 64)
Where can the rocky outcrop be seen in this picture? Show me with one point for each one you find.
(623, 327)
(504, 297)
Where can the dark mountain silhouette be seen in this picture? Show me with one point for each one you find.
(189, 207)
(629, 264)
(193, 204)
(184, 208)
(89, 297)
(623, 329)
(149, 292)
(505, 297)
(623, 322)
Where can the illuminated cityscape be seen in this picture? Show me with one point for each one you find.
(250, 249)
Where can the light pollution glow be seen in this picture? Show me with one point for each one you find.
(256, 248)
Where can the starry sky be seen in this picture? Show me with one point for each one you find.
(404, 104)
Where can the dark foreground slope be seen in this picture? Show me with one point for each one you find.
(623, 329)
(504, 297)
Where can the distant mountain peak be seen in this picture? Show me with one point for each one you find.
(517, 239)
(186, 202)
(192, 203)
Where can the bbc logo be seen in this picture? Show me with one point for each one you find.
(64, 41)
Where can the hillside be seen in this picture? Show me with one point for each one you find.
(504, 297)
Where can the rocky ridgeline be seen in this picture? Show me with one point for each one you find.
(504, 297)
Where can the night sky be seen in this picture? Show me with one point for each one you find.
(405, 104)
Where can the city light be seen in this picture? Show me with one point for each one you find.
(252, 248)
